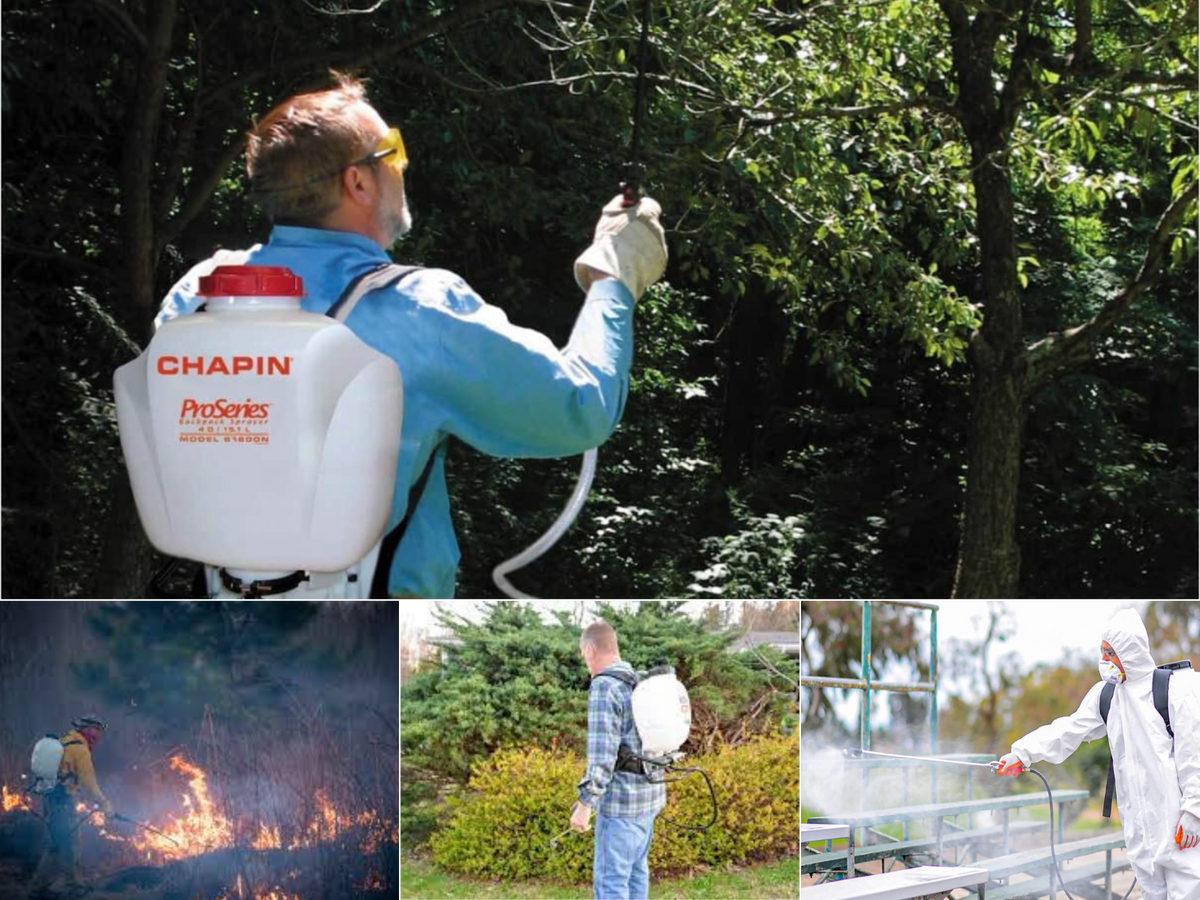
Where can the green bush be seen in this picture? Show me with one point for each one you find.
(519, 799)
(514, 680)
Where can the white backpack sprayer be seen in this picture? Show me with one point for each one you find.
(44, 764)
(662, 715)
(262, 441)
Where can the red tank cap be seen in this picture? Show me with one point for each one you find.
(251, 281)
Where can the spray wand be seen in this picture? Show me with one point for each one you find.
(994, 765)
(631, 188)
(121, 818)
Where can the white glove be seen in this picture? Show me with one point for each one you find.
(1187, 830)
(1011, 764)
(629, 245)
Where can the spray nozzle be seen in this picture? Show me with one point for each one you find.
(852, 754)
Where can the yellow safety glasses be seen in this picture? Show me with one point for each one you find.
(390, 151)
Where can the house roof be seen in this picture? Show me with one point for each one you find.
(787, 641)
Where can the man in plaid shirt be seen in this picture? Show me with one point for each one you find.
(626, 802)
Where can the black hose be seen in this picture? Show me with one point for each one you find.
(1062, 881)
(711, 792)
(687, 772)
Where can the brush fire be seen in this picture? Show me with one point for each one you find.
(201, 846)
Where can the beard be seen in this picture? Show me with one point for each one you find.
(397, 219)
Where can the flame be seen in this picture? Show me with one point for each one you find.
(267, 839)
(274, 893)
(201, 828)
(14, 800)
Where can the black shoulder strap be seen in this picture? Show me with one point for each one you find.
(630, 680)
(380, 276)
(1110, 788)
(387, 548)
(1162, 680)
(373, 280)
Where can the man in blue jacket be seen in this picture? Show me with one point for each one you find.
(328, 172)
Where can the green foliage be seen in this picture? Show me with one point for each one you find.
(519, 799)
(801, 369)
(756, 562)
(513, 680)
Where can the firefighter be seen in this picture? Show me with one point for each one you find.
(75, 773)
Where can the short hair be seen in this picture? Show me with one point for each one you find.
(600, 636)
(303, 139)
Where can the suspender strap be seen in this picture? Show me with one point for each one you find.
(625, 760)
(387, 548)
(1162, 680)
(379, 277)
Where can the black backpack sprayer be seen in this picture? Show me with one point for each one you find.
(994, 767)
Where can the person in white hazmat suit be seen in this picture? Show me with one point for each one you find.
(1158, 781)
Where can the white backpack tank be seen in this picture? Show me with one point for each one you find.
(262, 439)
(47, 757)
(662, 713)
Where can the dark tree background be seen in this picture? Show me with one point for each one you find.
(929, 325)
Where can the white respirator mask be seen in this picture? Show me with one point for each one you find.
(1110, 673)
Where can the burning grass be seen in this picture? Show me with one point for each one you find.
(202, 845)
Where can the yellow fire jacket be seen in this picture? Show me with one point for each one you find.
(76, 770)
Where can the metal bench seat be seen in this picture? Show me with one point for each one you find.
(1027, 860)
(861, 819)
(937, 812)
(1040, 886)
(902, 885)
(836, 859)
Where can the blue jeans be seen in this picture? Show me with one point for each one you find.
(621, 870)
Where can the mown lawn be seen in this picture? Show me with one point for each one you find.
(421, 880)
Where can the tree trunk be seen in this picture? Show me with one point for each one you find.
(125, 558)
(138, 169)
(989, 560)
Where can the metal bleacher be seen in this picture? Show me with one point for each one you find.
(954, 853)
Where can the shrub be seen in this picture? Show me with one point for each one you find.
(519, 799)
(514, 680)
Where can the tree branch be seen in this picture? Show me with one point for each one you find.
(58, 257)
(1081, 55)
(956, 14)
(775, 117)
(1062, 352)
(361, 57)
(200, 191)
(123, 18)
